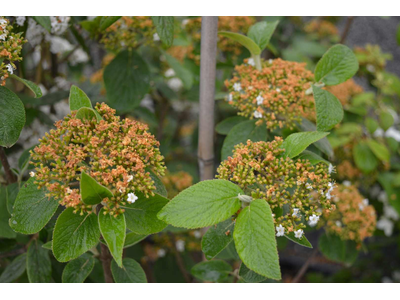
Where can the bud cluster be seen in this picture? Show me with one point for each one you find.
(354, 219)
(10, 49)
(321, 28)
(116, 153)
(276, 94)
(296, 190)
(176, 182)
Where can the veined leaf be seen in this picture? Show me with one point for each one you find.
(243, 40)
(302, 242)
(213, 270)
(38, 263)
(364, 158)
(131, 272)
(77, 270)
(165, 29)
(14, 270)
(37, 92)
(261, 33)
(226, 125)
(44, 21)
(379, 150)
(217, 238)
(329, 109)
(107, 22)
(249, 275)
(296, 143)
(93, 192)
(78, 99)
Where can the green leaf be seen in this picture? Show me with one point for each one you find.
(254, 237)
(203, 204)
(243, 40)
(213, 270)
(217, 238)
(337, 65)
(113, 230)
(312, 157)
(74, 234)
(165, 29)
(364, 158)
(249, 275)
(107, 22)
(131, 272)
(329, 109)
(181, 71)
(160, 188)
(141, 216)
(371, 124)
(335, 249)
(32, 209)
(261, 33)
(302, 242)
(12, 117)
(93, 192)
(322, 144)
(296, 143)
(226, 125)
(86, 113)
(37, 92)
(77, 270)
(133, 238)
(14, 270)
(48, 245)
(78, 99)
(12, 191)
(127, 80)
(38, 264)
(379, 150)
(5, 229)
(240, 133)
(44, 21)
(386, 120)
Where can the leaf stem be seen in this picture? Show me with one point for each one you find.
(10, 177)
(105, 258)
(257, 61)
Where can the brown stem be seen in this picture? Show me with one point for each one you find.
(305, 266)
(346, 29)
(105, 258)
(13, 253)
(10, 176)
(209, 36)
(179, 259)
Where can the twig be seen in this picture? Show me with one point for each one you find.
(179, 259)
(13, 253)
(346, 29)
(10, 176)
(105, 258)
(209, 35)
(305, 266)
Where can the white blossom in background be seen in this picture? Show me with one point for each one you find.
(132, 198)
(237, 87)
(32, 174)
(313, 220)
(20, 20)
(278, 90)
(175, 84)
(78, 56)
(390, 212)
(296, 212)
(161, 252)
(257, 114)
(309, 186)
(59, 24)
(270, 61)
(185, 22)
(35, 33)
(346, 183)
(394, 115)
(379, 132)
(363, 204)
(338, 224)
(156, 38)
(386, 225)
(298, 233)
(180, 245)
(370, 68)
(169, 73)
(230, 97)
(280, 230)
(3, 37)
(61, 84)
(3, 23)
(260, 100)
(197, 234)
(251, 62)
(59, 45)
(393, 133)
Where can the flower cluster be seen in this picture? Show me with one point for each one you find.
(321, 28)
(116, 153)
(296, 190)
(371, 58)
(345, 91)
(354, 219)
(276, 94)
(130, 32)
(10, 50)
(176, 182)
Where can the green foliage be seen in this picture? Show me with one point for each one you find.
(261, 33)
(217, 238)
(335, 249)
(323, 144)
(312, 157)
(32, 209)
(364, 158)
(74, 234)
(329, 109)
(250, 276)
(254, 237)
(107, 22)
(337, 65)
(160, 188)
(302, 242)
(37, 92)
(227, 124)
(14, 270)
(127, 80)
(113, 230)
(86, 113)
(386, 120)
(244, 41)
(38, 264)
(165, 29)
(78, 99)
(133, 238)
(77, 270)
(203, 204)
(13, 111)
(379, 150)
(296, 143)
(131, 272)
(5, 230)
(213, 270)
(181, 71)
(44, 21)
(93, 192)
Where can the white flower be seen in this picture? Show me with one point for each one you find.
(280, 230)
(382, 197)
(393, 133)
(251, 62)
(132, 198)
(386, 225)
(10, 69)
(32, 174)
(298, 233)
(260, 100)
(59, 24)
(175, 84)
(338, 224)
(313, 220)
(363, 204)
(299, 182)
(328, 196)
(3, 37)
(184, 22)
(331, 169)
(62, 83)
(257, 114)
(270, 61)
(161, 252)
(295, 212)
(278, 90)
(20, 20)
(197, 234)
(69, 191)
(121, 190)
(250, 88)
(379, 132)
(237, 87)
(156, 38)
(390, 212)
(79, 56)
(59, 45)
(347, 183)
(180, 245)
(130, 178)
(169, 73)
(331, 186)
(230, 97)
(371, 68)
(309, 186)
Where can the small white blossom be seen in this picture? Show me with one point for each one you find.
(363, 204)
(175, 84)
(313, 220)
(280, 230)
(132, 198)
(251, 62)
(20, 20)
(185, 22)
(390, 212)
(393, 133)
(296, 212)
(69, 191)
(230, 97)
(347, 183)
(270, 61)
(260, 100)
(156, 38)
(32, 174)
(78, 56)
(386, 225)
(338, 224)
(10, 69)
(197, 234)
(121, 190)
(331, 186)
(180, 245)
(257, 114)
(299, 182)
(370, 68)
(331, 169)
(237, 87)
(3, 36)
(130, 178)
(328, 196)
(298, 233)
(250, 88)
(379, 132)
(161, 252)
(169, 73)
(278, 90)
(309, 186)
